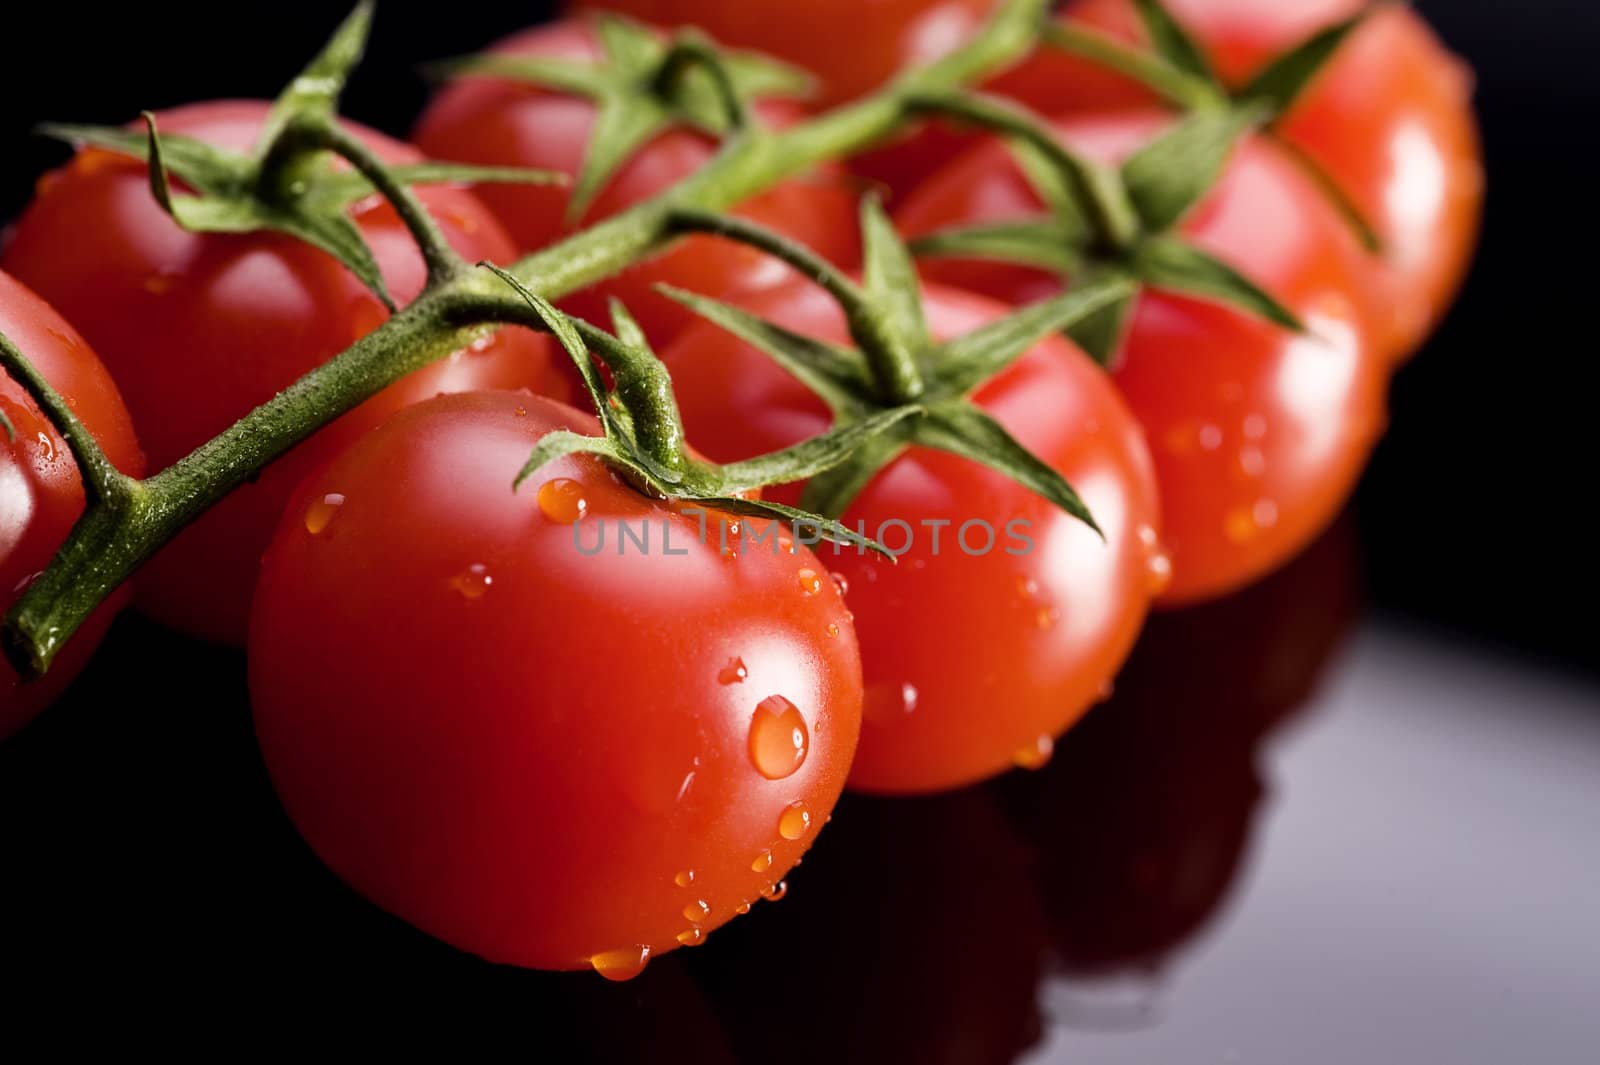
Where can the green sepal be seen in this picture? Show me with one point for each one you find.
(348, 186)
(828, 529)
(964, 430)
(642, 86)
(1039, 243)
(1172, 42)
(832, 492)
(10, 430)
(1282, 81)
(890, 277)
(1102, 333)
(1171, 264)
(1170, 175)
(315, 92)
(559, 445)
(1331, 191)
(814, 456)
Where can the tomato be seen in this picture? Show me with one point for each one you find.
(1390, 120)
(41, 494)
(198, 329)
(983, 644)
(542, 756)
(503, 123)
(851, 46)
(1259, 434)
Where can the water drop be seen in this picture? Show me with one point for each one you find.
(762, 863)
(734, 672)
(1035, 755)
(1047, 617)
(697, 911)
(778, 738)
(520, 412)
(1210, 437)
(832, 631)
(320, 513)
(685, 878)
(1264, 513)
(794, 821)
(562, 500)
(776, 892)
(810, 582)
(744, 908)
(622, 964)
(1255, 427)
(908, 698)
(1239, 525)
(691, 937)
(841, 583)
(473, 582)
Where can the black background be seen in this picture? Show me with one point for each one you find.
(1471, 512)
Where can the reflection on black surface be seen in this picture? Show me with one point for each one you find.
(917, 930)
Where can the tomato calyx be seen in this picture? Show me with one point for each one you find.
(1103, 223)
(1175, 68)
(896, 361)
(289, 183)
(643, 438)
(643, 85)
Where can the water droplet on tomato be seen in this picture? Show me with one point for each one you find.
(1252, 463)
(1255, 427)
(1210, 437)
(562, 500)
(762, 863)
(322, 512)
(832, 631)
(473, 582)
(691, 937)
(778, 738)
(744, 908)
(1157, 563)
(1047, 617)
(776, 892)
(734, 672)
(685, 878)
(810, 581)
(697, 911)
(1108, 688)
(1264, 513)
(622, 964)
(841, 583)
(1035, 755)
(159, 284)
(794, 821)
(520, 412)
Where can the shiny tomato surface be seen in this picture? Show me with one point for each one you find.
(197, 329)
(501, 122)
(543, 756)
(41, 493)
(977, 651)
(1259, 434)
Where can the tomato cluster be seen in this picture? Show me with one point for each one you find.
(588, 721)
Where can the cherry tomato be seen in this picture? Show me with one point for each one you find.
(851, 46)
(539, 755)
(499, 122)
(41, 494)
(198, 329)
(978, 649)
(1390, 119)
(1259, 434)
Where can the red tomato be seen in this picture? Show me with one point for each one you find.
(503, 123)
(541, 756)
(198, 329)
(1390, 119)
(973, 661)
(1259, 435)
(850, 45)
(41, 495)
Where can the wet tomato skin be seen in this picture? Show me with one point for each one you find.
(849, 45)
(198, 329)
(1390, 119)
(537, 755)
(500, 122)
(972, 661)
(41, 493)
(1259, 435)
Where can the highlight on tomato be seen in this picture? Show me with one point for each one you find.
(569, 96)
(563, 727)
(41, 490)
(1004, 617)
(1389, 119)
(198, 328)
(1259, 433)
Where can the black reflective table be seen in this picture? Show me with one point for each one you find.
(1295, 835)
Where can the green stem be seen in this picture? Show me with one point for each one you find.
(1145, 67)
(688, 50)
(102, 481)
(110, 542)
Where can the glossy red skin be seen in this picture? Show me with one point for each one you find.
(1259, 435)
(995, 663)
(41, 494)
(1390, 119)
(198, 329)
(503, 123)
(505, 771)
(851, 46)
